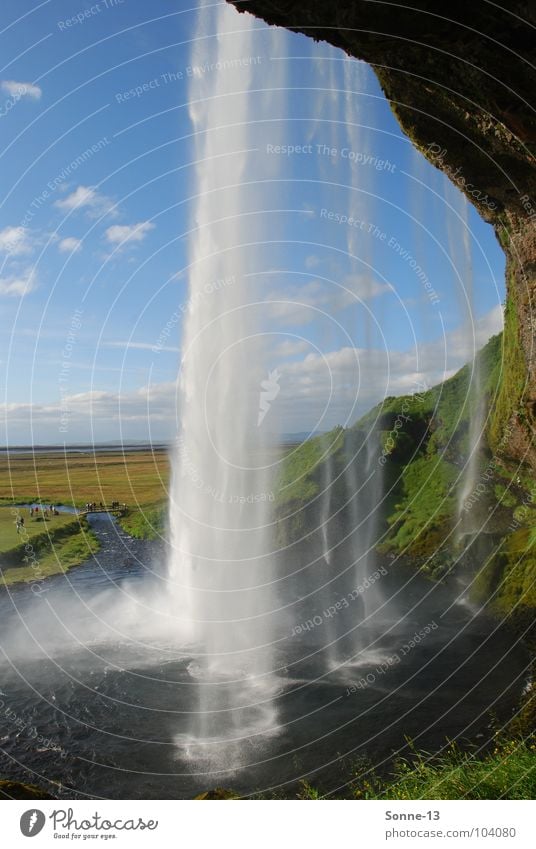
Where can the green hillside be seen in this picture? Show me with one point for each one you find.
(421, 442)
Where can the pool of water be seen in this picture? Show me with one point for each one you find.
(96, 700)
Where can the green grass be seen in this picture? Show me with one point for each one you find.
(508, 772)
(10, 539)
(420, 519)
(139, 479)
(509, 375)
(52, 556)
(298, 481)
(147, 522)
(507, 583)
(504, 495)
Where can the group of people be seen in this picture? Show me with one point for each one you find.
(92, 505)
(37, 512)
(46, 511)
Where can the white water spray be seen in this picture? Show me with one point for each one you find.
(221, 571)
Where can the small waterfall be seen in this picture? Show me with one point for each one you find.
(475, 400)
(363, 475)
(459, 240)
(331, 636)
(351, 486)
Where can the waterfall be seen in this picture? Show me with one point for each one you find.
(221, 569)
(231, 597)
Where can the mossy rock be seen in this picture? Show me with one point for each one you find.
(218, 793)
(507, 583)
(19, 790)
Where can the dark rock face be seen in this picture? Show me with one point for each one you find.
(459, 81)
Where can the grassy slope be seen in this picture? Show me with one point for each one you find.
(510, 375)
(426, 475)
(44, 547)
(423, 457)
(57, 557)
(507, 772)
(147, 522)
(423, 461)
(10, 539)
(507, 583)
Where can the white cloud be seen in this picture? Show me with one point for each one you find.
(15, 240)
(349, 381)
(156, 399)
(148, 403)
(88, 199)
(469, 339)
(332, 382)
(363, 288)
(140, 346)
(17, 285)
(291, 348)
(305, 303)
(122, 233)
(70, 245)
(17, 90)
(311, 261)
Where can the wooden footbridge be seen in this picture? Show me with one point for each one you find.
(115, 510)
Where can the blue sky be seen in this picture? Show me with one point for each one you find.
(96, 207)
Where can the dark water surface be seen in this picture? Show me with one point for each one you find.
(106, 716)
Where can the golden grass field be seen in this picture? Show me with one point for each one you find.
(137, 478)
